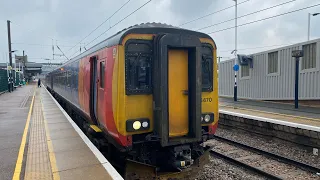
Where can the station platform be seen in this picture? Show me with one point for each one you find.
(40, 141)
(306, 116)
(14, 108)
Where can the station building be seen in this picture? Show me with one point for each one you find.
(272, 74)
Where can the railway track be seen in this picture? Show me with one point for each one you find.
(266, 164)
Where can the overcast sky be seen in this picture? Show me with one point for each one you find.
(36, 22)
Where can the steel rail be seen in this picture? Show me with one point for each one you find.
(301, 165)
(241, 164)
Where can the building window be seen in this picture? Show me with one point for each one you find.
(102, 68)
(309, 56)
(273, 62)
(245, 70)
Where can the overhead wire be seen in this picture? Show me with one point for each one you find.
(239, 17)
(263, 19)
(45, 58)
(62, 53)
(101, 24)
(74, 53)
(188, 22)
(49, 45)
(119, 21)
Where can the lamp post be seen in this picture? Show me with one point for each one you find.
(10, 78)
(235, 90)
(309, 15)
(23, 64)
(296, 54)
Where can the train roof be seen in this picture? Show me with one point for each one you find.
(151, 28)
(144, 28)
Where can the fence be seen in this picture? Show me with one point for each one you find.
(3, 80)
(16, 79)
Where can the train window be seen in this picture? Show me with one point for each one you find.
(133, 47)
(69, 80)
(138, 65)
(102, 68)
(66, 79)
(207, 68)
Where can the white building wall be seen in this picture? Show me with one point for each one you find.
(278, 86)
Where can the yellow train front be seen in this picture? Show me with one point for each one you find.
(151, 90)
(169, 102)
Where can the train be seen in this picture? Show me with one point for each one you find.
(149, 90)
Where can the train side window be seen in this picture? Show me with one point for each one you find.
(138, 65)
(102, 68)
(207, 68)
(66, 82)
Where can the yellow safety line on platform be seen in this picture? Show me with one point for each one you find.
(17, 170)
(52, 157)
(267, 112)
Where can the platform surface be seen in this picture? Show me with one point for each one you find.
(280, 111)
(38, 140)
(14, 109)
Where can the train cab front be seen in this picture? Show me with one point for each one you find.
(174, 79)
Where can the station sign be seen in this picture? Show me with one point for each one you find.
(297, 53)
(236, 67)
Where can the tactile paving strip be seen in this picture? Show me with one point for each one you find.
(38, 165)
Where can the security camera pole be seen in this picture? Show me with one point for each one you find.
(296, 54)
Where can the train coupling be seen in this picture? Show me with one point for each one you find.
(181, 157)
(188, 168)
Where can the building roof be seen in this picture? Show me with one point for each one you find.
(299, 44)
(29, 64)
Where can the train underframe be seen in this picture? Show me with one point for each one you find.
(146, 158)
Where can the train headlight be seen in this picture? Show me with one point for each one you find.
(207, 118)
(140, 124)
(136, 125)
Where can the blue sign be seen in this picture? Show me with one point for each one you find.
(236, 67)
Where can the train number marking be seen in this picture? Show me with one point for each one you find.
(206, 100)
(114, 52)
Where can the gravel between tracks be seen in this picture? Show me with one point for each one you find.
(222, 170)
(276, 146)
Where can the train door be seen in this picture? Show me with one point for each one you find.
(177, 92)
(93, 88)
(177, 88)
(100, 111)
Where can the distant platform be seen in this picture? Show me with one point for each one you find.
(304, 116)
